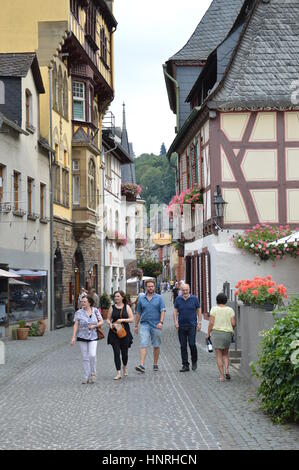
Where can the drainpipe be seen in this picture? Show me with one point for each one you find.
(177, 94)
(52, 301)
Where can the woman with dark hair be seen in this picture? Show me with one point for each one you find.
(222, 324)
(120, 313)
(87, 319)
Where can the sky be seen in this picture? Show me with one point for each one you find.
(148, 34)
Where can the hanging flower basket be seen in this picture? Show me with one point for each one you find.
(131, 191)
(120, 239)
(257, 241)
(189, 196)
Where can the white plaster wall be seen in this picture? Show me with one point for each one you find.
(231, 264)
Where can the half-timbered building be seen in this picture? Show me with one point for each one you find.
(242, 136)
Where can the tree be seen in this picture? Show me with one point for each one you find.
(150, 267)
(157, 179)
(163, 150)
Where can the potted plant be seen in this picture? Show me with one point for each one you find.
(22, 330)
(120, 239)
(261, 291)
(105, 304)
(42, 327)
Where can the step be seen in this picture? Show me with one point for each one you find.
(235, 354)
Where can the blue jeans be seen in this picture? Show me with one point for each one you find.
(147, 333)
(188, 334)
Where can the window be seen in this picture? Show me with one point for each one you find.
(90, 99)
(76, 165)
(75, 8)
(60, 92)
(16, 190)
(2, 93)
(65, 97)
(30, 184)
(76, 190)
(56, 152)
(65, 187)
(79, 101)
(57, 185)
(65, 158)
(91, 22)
(91, 184)
(54, 87)
(42, 201)
(28, 109)
(116, 222)
(108, 166)
(103, 45)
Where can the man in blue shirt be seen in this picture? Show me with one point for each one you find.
(187, 320)
(150, 313)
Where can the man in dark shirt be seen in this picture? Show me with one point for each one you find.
(175, 292)
(187, 320)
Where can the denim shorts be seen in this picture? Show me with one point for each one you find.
(148, 332)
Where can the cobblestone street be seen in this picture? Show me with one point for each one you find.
(45, 406)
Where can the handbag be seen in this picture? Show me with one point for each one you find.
(119, 328)
(100, 332)
(209, 345)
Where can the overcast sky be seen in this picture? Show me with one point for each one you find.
(148, 34)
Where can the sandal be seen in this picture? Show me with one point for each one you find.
(227, 376)
(118, 377)
(125, 372)
(221, 379)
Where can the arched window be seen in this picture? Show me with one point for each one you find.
(55, 87)
(60, 91)
(91, 184)
(2, 93)
(65, 95)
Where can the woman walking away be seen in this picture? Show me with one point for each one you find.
(222, 324)
(87, 320)
(120, 313)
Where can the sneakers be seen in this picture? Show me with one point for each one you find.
(140, 368)
(194, 365)
(92, 379)
(155, 367)
(184, 369)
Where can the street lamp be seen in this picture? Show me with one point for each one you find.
(219, 205)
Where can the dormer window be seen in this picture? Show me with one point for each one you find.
(28, 109)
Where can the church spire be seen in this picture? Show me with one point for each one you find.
(124, 133)
(124, 117)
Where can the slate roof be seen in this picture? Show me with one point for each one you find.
(212, 29)
(18, 65)
(266, 62)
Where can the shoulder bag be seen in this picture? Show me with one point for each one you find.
(100, 331)
(119, 328)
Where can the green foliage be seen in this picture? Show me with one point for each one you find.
(156, 177)
(22, 324)
(105, 301)
(34, 329)
(150, 267)
(278, 367)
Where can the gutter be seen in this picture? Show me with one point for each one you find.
(52, 301)
(177, 94)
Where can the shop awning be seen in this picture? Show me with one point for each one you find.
(15, 282)
(28, 272)
(8, 274)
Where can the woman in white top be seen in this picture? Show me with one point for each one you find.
(222, 324)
